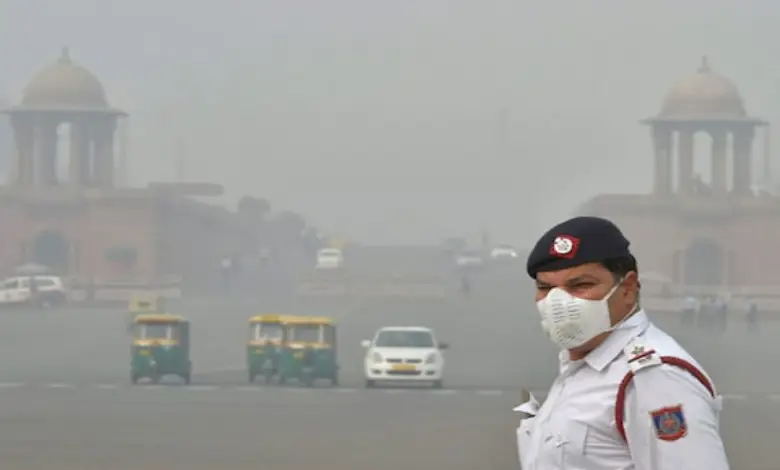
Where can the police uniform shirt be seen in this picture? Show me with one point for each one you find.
(671, 419)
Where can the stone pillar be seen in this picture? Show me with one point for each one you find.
(79, 148)
(719, 161)
(24, 136)
(47, 153)
(86, 167)
(662, 144)
(104, 154)
(743, 157)
(685, 160)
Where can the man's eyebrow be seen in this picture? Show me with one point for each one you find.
(582, 278)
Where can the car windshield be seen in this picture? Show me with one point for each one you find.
(306, 333)
(266, 331)
(404, 339)
(156, 331)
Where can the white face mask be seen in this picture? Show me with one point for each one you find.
(570, 321)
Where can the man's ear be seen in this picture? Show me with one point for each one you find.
(632, 282)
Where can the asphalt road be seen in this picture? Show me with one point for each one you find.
(66, 401)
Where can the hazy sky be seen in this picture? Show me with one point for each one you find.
(381, 120)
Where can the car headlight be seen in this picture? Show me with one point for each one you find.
(376, 358)
(431, 359)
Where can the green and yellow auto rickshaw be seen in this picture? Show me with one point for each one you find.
(262, 352)
(308, 350)
(161, 346)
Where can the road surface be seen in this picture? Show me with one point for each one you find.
(66, 402)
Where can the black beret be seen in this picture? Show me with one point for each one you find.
(575, 242)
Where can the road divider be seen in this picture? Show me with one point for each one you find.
(410, 290)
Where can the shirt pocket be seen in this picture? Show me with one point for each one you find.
(568, 446)
(524, 440)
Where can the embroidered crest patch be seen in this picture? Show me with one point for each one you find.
(669, 423)
(565, 246)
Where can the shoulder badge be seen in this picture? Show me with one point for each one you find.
(669, 423)
(640, 356)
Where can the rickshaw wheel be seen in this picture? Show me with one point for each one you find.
(438, 384)
(282, 379)
(334, 380)
(187, 378)
(155, 379)
(251, 377)
(370, 383)
(133, 377)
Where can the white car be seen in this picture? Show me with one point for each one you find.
(404, 354)
(503, 252)
(16, 290)
(469, 259)
(330, 258)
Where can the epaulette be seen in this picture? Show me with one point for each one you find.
(641, 357)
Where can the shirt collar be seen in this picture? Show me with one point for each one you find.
(617, 340)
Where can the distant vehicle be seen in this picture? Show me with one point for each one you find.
(404, 354)
(469, 259)
(50, 290)
(330, 258)
(503, 252)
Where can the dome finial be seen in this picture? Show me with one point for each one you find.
(65, 55)
(705, 65)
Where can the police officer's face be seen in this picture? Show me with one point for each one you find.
(591, 281)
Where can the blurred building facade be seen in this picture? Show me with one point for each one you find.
(62, 206)
(6, 144)
(704, 237)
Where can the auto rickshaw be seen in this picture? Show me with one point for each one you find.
(262, 352)
(308, 350)
(161, 346)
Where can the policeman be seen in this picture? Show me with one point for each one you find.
(627, 396)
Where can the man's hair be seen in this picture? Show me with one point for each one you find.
(621, 266)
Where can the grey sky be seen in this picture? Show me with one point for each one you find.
(381, 119)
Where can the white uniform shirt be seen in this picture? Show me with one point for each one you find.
(575, 427)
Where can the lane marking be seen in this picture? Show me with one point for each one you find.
(107, 386)
(774, 397)
(11, 384)
(59, 385)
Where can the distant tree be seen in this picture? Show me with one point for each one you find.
(254, 208)
(289, 225)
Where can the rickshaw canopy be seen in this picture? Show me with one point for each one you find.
(268, 318)
(165, 318)
(300, 320)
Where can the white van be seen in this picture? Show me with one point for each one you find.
(330, 258)
(16, 290)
